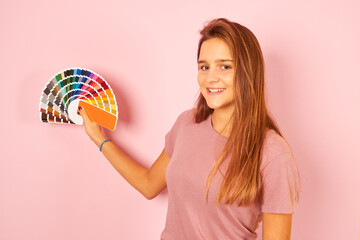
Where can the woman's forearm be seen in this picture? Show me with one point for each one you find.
(149, 182)
(129, 169)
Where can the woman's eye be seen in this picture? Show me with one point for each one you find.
(225, 67)
(204, 68)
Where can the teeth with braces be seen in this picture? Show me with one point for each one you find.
(216, 90)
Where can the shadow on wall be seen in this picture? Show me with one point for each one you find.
(290, 100)
(125, 116)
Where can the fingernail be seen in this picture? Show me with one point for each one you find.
(80, 107)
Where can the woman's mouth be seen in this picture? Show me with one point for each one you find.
(215, 91)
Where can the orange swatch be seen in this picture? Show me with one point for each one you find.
(99, 116)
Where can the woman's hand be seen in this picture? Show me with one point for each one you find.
(93, 130)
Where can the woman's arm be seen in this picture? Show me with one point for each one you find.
(276, 226)
(149, 182)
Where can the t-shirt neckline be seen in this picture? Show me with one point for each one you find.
(212, 129)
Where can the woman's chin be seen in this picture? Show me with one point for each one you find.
(218, 106)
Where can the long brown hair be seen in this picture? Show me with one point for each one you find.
(242, 180)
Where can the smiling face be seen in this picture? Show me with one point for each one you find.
(216, 74)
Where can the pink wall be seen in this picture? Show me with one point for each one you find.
(55, 184)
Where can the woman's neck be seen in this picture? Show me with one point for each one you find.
(221, 120)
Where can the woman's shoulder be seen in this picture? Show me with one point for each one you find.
(186, 116)
(274, 146)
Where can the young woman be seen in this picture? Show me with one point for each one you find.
(225, 163)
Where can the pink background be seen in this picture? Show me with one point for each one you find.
(55, 184)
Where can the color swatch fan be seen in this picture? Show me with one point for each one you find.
(75, 87)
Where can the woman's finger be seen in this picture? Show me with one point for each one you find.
(84, 115)
(93, 130)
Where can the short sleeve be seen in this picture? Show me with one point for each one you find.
(280, 185)
(170, 137)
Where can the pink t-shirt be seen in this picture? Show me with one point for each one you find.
(192, 148)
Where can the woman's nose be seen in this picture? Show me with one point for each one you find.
(212, 75)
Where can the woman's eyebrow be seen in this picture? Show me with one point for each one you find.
(217, 60)
(224, 60)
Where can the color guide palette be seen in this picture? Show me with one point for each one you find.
(77, 86)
